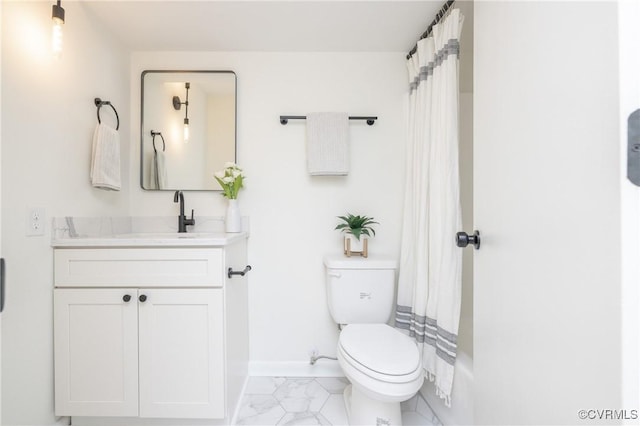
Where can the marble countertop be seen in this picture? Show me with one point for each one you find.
(73, 232)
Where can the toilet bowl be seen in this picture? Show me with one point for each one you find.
(383, 364)
(384, 368)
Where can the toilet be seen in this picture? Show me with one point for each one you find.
(382, 364)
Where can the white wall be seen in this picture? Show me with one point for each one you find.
(221, 110)
(48, 119)
(292, 215)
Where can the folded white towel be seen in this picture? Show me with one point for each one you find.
(105, 158)
(328, 143)
(158, 171)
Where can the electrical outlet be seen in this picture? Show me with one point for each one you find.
(35, 221)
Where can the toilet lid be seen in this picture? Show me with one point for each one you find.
(380, 348)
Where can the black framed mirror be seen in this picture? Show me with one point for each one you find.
(188, 128)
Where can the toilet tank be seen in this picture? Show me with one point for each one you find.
(360, 290)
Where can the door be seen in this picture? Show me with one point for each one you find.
(96, 352)
(181, 353)
(547, 178)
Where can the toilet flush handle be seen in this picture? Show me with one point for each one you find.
(334, 274)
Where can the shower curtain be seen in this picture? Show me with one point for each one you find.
(429, 281)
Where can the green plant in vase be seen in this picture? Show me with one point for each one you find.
(357, 226)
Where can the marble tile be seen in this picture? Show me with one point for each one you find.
(412, 418)
(304, 418)
(410, 404)
(259, 410)
(425, 411)
(263, 385)
(333, 384)
(300, 395)
(74, 227)
(309, 401)
(334, 410)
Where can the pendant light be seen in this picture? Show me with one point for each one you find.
(177, 104)
(57, 16)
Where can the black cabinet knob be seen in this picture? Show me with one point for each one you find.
(126, 297)
(142, 298)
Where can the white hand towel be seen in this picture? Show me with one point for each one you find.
(328, 143)
(105, 158)
(159, 170)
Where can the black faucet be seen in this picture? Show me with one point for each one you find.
(182, 219)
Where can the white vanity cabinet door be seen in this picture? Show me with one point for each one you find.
(181, 353)
(96, 352)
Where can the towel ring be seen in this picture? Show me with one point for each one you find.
(153, 141)
(99, 103)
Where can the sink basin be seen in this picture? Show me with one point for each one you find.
(171, 235)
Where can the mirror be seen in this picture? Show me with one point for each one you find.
(188, 128)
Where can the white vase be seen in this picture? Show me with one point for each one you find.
(233, 220)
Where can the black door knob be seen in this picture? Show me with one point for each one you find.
(463, 239)
(142, 298)
(126, 297)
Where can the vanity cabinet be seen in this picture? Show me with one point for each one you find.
(95, 352)
(150, 332)
(181, 358)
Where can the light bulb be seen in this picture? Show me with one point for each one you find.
(186, 130)
(56, 37)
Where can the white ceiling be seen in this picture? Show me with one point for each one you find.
(211, 25)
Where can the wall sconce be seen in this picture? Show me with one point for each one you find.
(177, 105)
(57, 15)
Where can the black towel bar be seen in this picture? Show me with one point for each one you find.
(284, 119)
(99, 103)
(231, 272)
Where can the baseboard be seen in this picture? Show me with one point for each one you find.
(59, 421)
(139, 421)
(322, 368)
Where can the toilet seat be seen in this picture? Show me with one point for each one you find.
(380, 350)
(381, 361)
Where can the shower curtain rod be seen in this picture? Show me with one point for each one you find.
(439, 16)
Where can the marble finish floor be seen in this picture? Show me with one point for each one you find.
(311, 401)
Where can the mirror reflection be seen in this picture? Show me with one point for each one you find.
(188, 128)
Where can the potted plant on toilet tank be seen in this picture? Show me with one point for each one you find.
(357, 231)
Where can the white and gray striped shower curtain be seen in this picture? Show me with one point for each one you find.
(429, 282)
